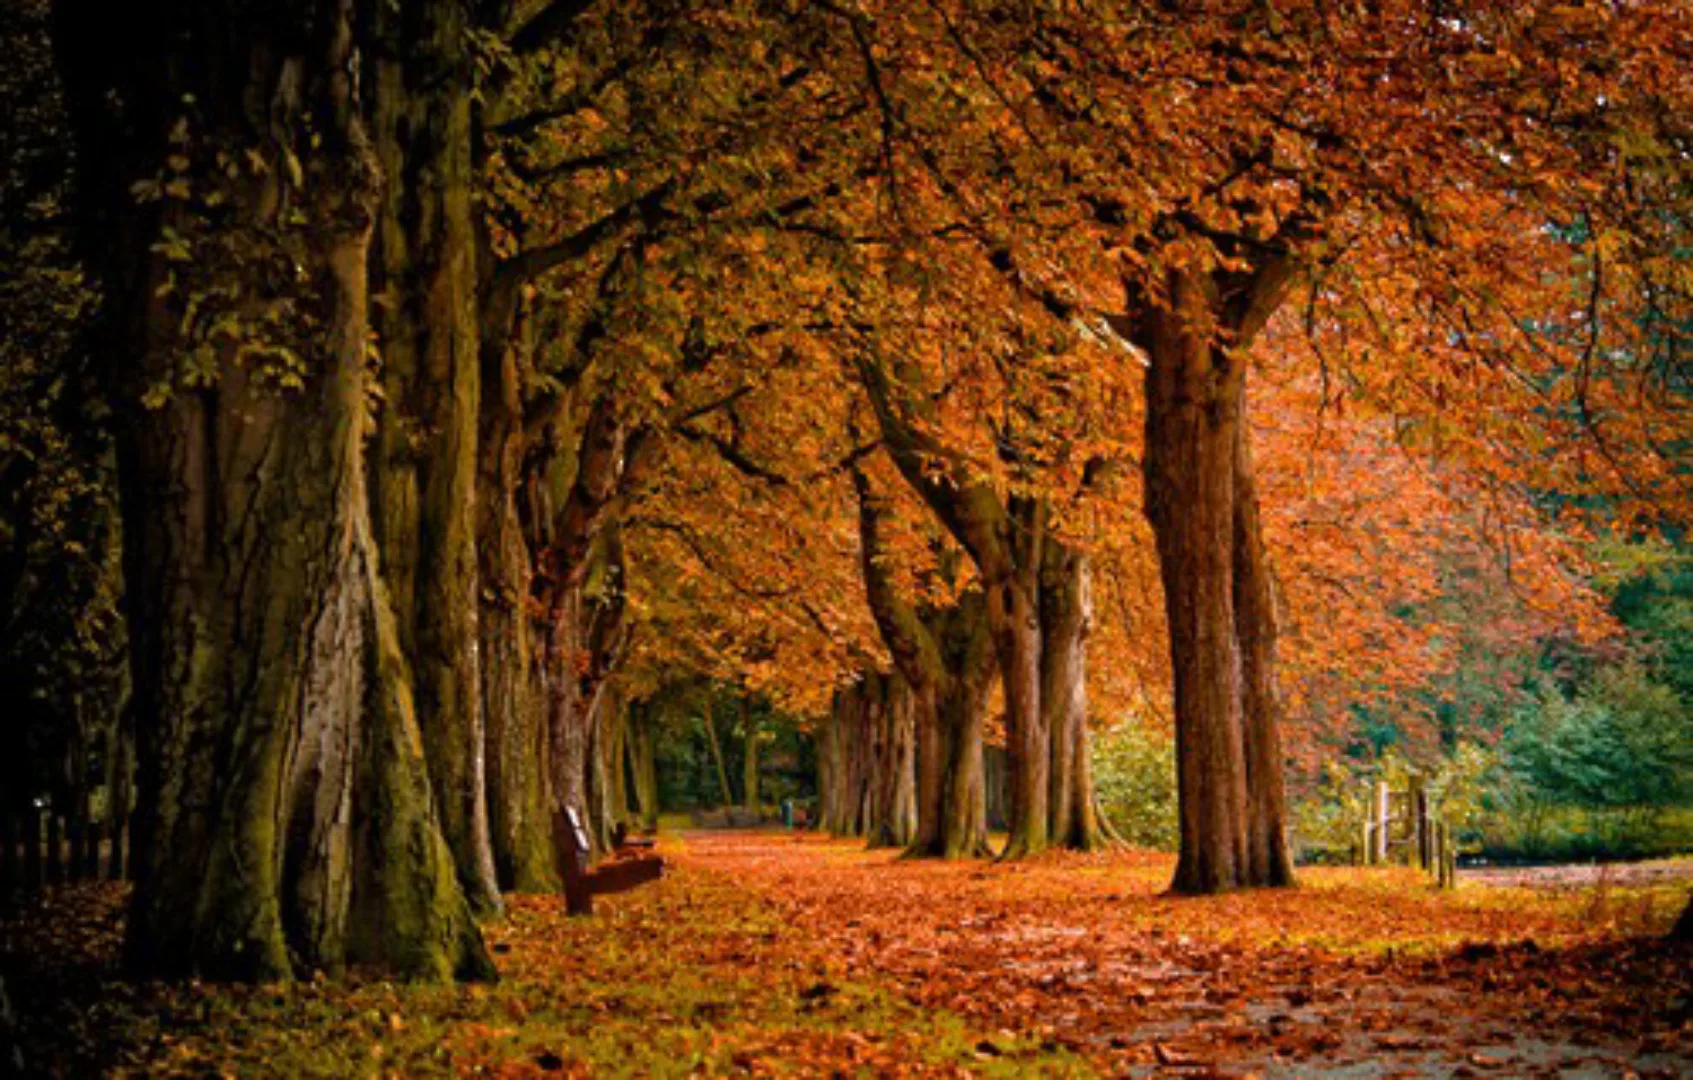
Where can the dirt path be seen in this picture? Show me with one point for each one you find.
(1354, 975)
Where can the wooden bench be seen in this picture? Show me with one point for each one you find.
(629, 865)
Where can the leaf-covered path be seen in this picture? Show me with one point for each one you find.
(1355, 974)
(776, 954)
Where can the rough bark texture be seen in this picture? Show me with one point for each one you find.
(1217, 593)
(893, 780)
(1066, 609)
(285, 821)
(514, 709)
(1270, 862)
(644, 765)
(1012, 585)
(945, 659)
(424, 475)
(846, 782)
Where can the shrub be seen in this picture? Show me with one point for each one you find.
(1134, 770)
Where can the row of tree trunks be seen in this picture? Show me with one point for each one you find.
(1037, 610)
(867, 776)
(1203, 509)
(944, 658)
(286, 821)
(39, 849)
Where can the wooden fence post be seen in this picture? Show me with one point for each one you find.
(1425, 838)
(1384, 814)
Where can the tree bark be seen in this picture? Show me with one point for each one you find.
(285, 821)
(1203, 510)
(1066, 608)
(749, 764)
(645, 765)
(893, 786)
(425, 467)
(1270, 862)
(513, 704)
(1013, 591)
(849, 805)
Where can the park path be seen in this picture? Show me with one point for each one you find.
(1356, 974)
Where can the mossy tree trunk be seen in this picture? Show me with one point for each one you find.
(644, 764)
(285, 821)
(425, 463)
(514, 708)
(749, 763)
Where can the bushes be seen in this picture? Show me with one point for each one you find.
(1606, 774)
(1134, 772)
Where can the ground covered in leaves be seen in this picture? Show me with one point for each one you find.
(777, 954)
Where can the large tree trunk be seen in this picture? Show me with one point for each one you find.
(1270, 862)
(850, 726)
(567, 731)
(893, 779)
(285, 819)
(608, 806)
(1193, 394)
(1013, 593)
(1066, 608)
(513, 702)
(424, 480)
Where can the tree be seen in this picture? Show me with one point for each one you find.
(1207, 167)
(943, 655)
(230, 189)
